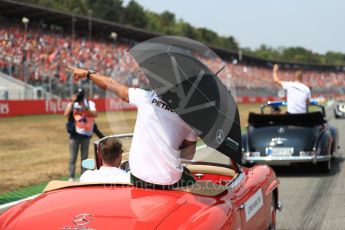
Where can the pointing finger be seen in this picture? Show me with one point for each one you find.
(70, 69)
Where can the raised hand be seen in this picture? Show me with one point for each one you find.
(275, 68)
(77, 73)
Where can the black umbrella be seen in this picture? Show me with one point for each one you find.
(192, 91)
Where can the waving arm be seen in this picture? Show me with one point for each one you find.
(102, 81)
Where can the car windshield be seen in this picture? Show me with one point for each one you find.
(203, 155)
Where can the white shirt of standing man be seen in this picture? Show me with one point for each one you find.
(155, 154)
(298, 94)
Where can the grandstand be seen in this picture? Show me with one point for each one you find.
(36, 51)
(13, 89)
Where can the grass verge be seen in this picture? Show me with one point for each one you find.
(34, 149)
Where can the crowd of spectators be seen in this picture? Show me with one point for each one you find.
(258, 77)
(39, 56)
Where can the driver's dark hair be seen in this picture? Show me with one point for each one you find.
(111, 148)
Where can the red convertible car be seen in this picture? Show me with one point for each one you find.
(226, 196)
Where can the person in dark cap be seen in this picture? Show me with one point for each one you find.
(83, 112)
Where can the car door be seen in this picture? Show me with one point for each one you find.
(250, 202)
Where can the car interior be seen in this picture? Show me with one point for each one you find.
(212, 178)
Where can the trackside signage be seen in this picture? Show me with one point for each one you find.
(4, 108)
(12, 108)
(57, 106)
(247, 99)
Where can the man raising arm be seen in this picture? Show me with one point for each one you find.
(101, 81)
(160, 137)
(298, 94)
(276, 79)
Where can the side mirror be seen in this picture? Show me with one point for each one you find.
(88, 164)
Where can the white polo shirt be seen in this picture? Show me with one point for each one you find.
(297, 95)
(159, 132)
(106, 174)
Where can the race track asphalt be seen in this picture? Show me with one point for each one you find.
(314, 201)
(311, 200)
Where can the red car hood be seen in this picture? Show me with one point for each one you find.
(98, 207)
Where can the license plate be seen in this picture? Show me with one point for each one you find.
(274, 151)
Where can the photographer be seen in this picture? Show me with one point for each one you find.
(83, 111)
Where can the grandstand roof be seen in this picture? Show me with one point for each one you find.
(17, 10)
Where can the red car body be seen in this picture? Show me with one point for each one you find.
(225, 195)
(249, 201)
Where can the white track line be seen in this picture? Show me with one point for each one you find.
(7, 205)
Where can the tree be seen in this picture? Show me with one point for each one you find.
(110, 10)
(153, 22)
(207, 35)
(299, 54)
(185, 29)
(334, 58)
(267, 53)
(167, 22)
(134, 15)
(230, 43)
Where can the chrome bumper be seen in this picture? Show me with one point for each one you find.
(286, 159)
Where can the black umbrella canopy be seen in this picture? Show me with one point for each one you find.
(192, 91)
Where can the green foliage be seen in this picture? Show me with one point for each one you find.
(230, 43)
(134, 15)
(267, 53)
(167, 20)
(297, 54)
(110, 10)
(153, 21)
(166, 23)
(333, 58)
